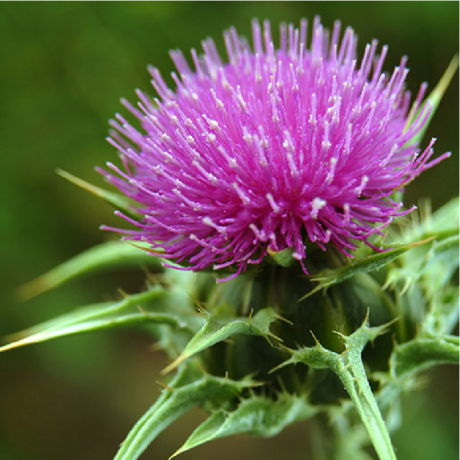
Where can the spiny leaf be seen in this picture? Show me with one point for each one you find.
(115, 199)
(257, 416)
(447, 254)
(113, 254)
(444, 219)
(318, 357)
(220, 325)
(435, 264)
(131, 310)
(175, 401)
(349, 367)
(366, 264)
(420, 354)
(441, 224)
(442, 316)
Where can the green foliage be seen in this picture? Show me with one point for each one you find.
(152, 306)
(329, 277)
(107, 256)
(421, 354)
(257, 415)
(117, 200)
(186, 390)
(222, 324)
(265, 323)
(349, 367)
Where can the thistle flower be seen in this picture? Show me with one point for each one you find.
(276, 149)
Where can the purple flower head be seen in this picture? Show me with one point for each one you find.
(276, 149)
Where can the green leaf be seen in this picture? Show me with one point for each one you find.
(445, 219)
(220, 325)
(329, 277)
(108, 255)
(119, 201)
(349, 367)
(131, 310)
(434, 264)
(442, 316)
(257, 416)
(441, 224)
(175, 401)
(421, 354)
(440, 267)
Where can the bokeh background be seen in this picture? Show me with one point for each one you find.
(64, 68)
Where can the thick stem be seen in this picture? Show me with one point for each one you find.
(361, 394)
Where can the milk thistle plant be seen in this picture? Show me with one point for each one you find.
(289, 279)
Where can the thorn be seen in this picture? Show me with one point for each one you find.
(202, 311)
(145, 270)
(289, 350)
(314, 290)
(257, 384)
(250, 313)
(344, 352)
(275, 337)
(182, 357)
(405, 287)
(421, 242)
(175, 454)
(197, 311)
(157, 252)
(164, 385)
(199, 304)
(366, 318)
(151, 278)
(123, 294)
(281, 384)
(141, 310)
(280, 366)
(281, 318)
(387, 284)
(357, 379)
(201, 367)
(342, 336)
(384, 327)
(393, 321)
(315, 339)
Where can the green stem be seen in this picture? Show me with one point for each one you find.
(354, 378)
(349, 368)
(358, 388)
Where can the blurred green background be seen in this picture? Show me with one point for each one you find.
(64, 68)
